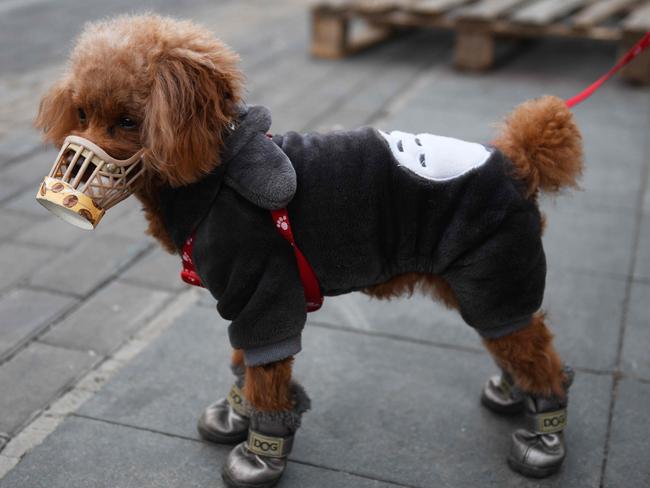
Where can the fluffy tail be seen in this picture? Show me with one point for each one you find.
(543, 142)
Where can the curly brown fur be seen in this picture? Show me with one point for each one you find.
(528, 355)
(408, 283)
(174, 79)
(543, 142)
(268, 388)
(237, 358)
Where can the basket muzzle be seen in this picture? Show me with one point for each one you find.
(85, 182)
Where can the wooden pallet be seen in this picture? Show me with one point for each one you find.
(478, 23)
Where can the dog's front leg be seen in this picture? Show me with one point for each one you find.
(276, 407)
(534, 380)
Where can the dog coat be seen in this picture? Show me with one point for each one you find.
(365, 206)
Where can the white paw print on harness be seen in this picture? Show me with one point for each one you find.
(282, 223)
(436, 158)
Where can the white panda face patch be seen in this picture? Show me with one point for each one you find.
(434, 157)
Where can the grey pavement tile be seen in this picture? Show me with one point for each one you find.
(308, 91)
(52, 231)
(206, 299)
(88, 264)
(31, 169)
(642, 265)
(12, 223)
(158, 269)
(23, 313)
(17, 143)
(419, 318)
(398, 72)
(107, 319)
(8, 188)
(26, 202)
(33, 378)
(92, 454)
(627, 459)
(598, 241)
(392, 410)
(130, 224)
(584, 313)
(198, 335)
(17, 261)
(635, 358)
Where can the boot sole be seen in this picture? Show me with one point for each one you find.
(230, 483)
(512, 409)
(209, 435)
(532, 472)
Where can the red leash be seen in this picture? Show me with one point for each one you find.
(638, 48)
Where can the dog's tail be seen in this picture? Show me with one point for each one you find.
(544, 144)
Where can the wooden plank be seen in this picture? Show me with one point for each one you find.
(488, 9)
(329, 34)
(546, 11)
(638, 71)
(639, 19)
(375, 6)
(331, 5)
(474, 49)
(597, 12)
(435, 7)
(635, 26)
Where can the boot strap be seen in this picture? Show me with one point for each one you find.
(264, 445)
(547, 422)
(238, 402)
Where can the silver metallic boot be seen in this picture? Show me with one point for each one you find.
(260, 461)
(539, 450)
(502, 396)
(227, 420)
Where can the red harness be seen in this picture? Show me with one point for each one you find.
(313, 295)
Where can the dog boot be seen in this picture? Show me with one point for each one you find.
(227, 420)
(260, 461)
(539, 450)
(502, 396)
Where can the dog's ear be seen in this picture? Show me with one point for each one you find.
(194, 96)
(57, 115)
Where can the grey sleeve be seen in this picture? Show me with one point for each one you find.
(269, 325)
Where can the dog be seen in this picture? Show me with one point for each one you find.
(388, 213)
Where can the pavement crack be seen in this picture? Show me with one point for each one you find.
(135, 427)
(395, 337)
(200, 441)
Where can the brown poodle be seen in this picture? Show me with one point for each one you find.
(172, 88)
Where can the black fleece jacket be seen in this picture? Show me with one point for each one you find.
(364, 206)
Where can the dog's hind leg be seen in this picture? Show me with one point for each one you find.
(277, 404)
(226, 421)
(529, 358)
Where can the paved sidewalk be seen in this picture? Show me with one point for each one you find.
(394, 385)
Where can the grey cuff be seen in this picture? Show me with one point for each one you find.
(497, 332)
(256, 356)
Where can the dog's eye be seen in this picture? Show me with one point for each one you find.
(82, 115)
(127, 123)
